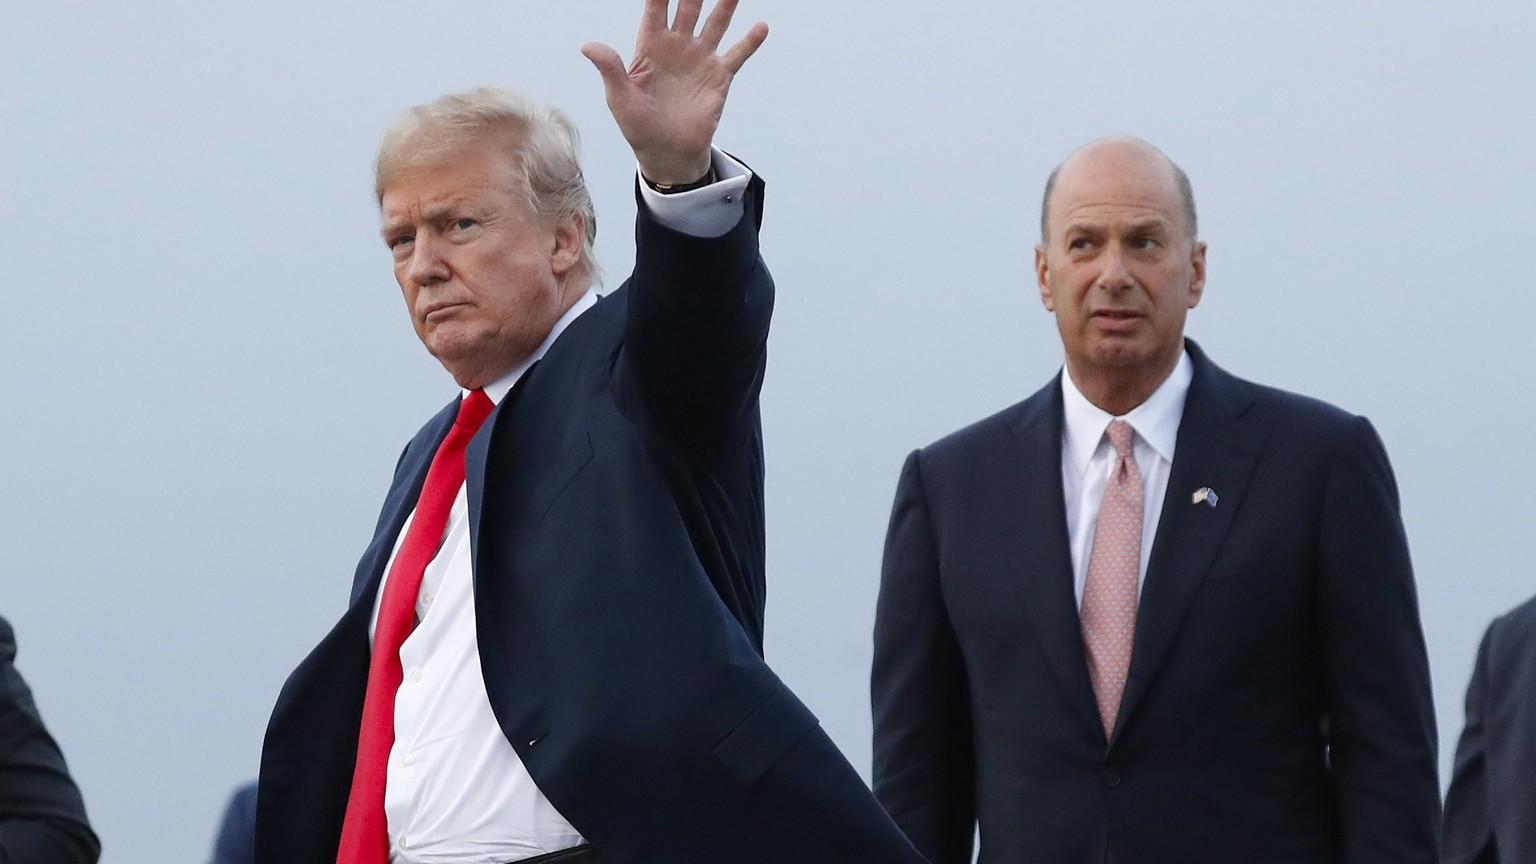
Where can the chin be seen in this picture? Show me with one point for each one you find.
(455, 358)
(1118, 353)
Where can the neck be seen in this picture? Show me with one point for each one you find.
(478, 378)
(1117, 390)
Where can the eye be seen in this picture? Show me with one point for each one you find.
(398, 240)
(464, 224)
(1079, 243)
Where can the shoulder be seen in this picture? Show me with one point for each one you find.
(7, 643)
(1307, 413)
(1310, 428)
(1515, 628)
(1266, 404)
(1024, 437)
(981, 439)
(1506, 656)
(1303, 429)
(239, 816)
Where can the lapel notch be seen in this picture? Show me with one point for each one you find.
(410, 474)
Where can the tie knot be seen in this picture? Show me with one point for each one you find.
(1121, 435)
(473, 409)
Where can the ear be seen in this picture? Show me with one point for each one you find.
(1197, 273)
(1042, 276)
(570, 234)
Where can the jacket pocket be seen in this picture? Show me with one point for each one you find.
(1239, 589)
(765, 735)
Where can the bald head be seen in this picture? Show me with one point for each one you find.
(1136, 160)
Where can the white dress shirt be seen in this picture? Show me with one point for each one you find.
(456, 790)
(1087, 458)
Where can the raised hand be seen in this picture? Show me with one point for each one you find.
(668, 102)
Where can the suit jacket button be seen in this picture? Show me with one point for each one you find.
(1111, 777)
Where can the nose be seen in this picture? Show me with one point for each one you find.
(427, 264)
(1113, 275)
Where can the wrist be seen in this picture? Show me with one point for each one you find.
(674, 188)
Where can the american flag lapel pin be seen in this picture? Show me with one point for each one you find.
(1204, 495)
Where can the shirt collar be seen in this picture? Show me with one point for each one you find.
(1156, 420)
(499, 388)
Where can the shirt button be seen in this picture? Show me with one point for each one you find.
(415, 676)
(1111, 777)
(426, 599)
(404, 844)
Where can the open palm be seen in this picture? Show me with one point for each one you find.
(669, 100)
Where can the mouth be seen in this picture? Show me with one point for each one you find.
(1116, 320)
(439, 309)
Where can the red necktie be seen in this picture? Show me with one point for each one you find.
(1110, 592)
(364, 832)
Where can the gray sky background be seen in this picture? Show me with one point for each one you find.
(208, 372)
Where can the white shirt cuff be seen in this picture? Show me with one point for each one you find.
(709, 211)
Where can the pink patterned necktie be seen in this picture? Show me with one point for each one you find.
(1110, 593)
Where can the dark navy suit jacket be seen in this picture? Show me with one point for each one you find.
(1490, 810)
(42, 819)
(1278, 707)
(616, 517)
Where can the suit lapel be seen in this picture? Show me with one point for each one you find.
(476, 458)
(1036, 536)
(410, 474)
(1214, 450)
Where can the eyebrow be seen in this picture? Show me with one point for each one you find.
(1151, 224)
(1082, 227)
(430, 214)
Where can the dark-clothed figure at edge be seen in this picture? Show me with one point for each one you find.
(42, 818)
(1490, 809)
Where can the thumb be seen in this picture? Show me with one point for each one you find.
(608, 64)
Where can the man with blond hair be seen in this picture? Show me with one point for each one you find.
(553, 647)
(1153, 614)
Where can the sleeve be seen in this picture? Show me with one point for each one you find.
(924, 760)
(708, 211)
(42, 817)
(695, 343)
(1468, 825)
(1381, 720)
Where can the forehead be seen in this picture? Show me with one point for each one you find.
(1116, 182)
(474, 171)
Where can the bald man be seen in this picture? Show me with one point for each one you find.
(1153, 613)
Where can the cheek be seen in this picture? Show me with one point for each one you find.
(1071, 296)
(408, 291)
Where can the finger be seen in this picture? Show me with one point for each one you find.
(746, 47)
(687, 16)
(719, 21)
(609, 65)
(655, 15)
